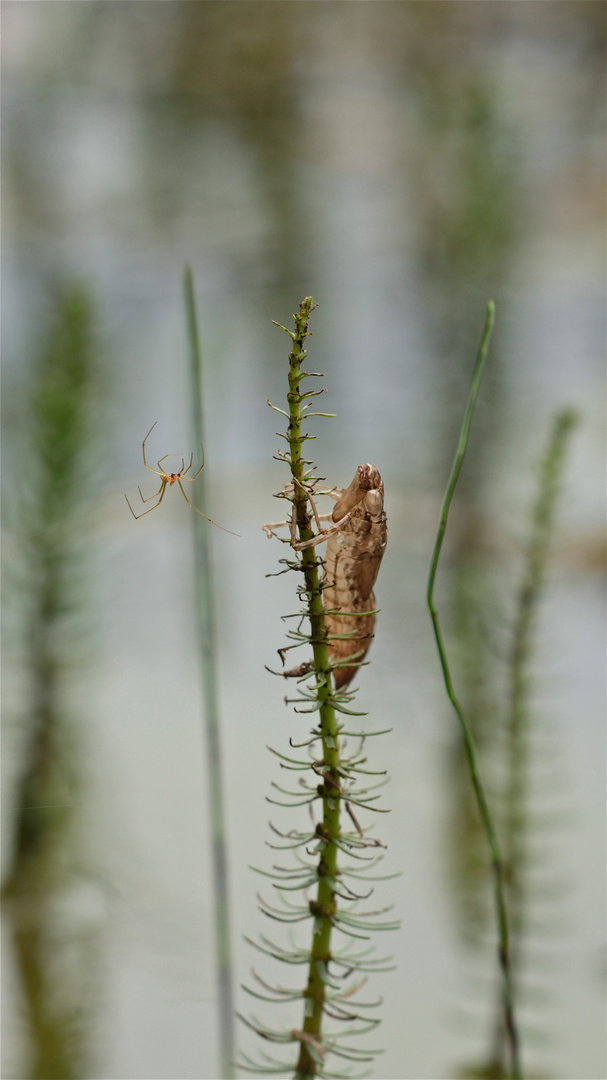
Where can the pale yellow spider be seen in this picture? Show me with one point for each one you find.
(167, 480)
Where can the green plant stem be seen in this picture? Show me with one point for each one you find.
(207, 637)
(538, 546)
(324, 906)
(496, 859)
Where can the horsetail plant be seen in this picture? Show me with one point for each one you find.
(520, 785)
(529, 596)
(341, 780)
(520, 777)
(56, 957)
(207, 642)
(497, 861)
(206, 626)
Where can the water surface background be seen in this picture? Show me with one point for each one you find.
(402, 163)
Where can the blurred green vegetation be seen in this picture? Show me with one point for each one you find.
(498, 701)
(55, 959)
(237, 135)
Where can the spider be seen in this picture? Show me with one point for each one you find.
(168, 479)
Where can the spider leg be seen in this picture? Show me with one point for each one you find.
(146, 439)
(155, 495)
(201, 467)
(184, 471)
(204, 515)
(143, 447)
(159, 463)
(137, 516)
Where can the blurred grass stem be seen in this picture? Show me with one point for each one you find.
(496, 859)
(207, 638)
(529, 596)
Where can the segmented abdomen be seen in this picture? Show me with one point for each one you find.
(352, 560)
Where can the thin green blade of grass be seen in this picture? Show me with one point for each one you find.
(207, 643)
(469, 744)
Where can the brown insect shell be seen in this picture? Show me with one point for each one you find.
(366, 487)
(352, 560)
(373, 502)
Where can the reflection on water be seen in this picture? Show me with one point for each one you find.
(402, 162)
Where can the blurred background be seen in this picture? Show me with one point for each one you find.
(401, 162)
